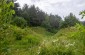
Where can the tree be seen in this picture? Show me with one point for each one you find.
(33, 16)
(46, 22)
(16, 7)
(6, 11)
(70, 20)
(36, 16)
(25, 13)
(82, 13)
(52, 23)
(55, 21)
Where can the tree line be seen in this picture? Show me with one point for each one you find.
(33, 16)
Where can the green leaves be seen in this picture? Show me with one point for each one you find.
(82, 13)
(6, 11)
(11, 4)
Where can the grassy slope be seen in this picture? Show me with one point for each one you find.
(37, 41)
(67, 41)
(31, 39)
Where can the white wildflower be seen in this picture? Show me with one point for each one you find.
(9, 26)
(39, 47)
(73, 42)
(55, 41)
(69, 44)
(38, 52)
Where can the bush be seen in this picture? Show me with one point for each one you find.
(19, 21)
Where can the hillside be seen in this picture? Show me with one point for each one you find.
(38, 41)
(29, 30)
(15, 41)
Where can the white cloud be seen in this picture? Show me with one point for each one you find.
(60, 7)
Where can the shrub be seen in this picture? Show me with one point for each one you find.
(19, 21)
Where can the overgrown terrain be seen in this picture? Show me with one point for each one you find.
(33, 32)
(38, 41)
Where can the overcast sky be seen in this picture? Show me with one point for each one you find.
(60, 7)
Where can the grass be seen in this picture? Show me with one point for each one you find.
(38, 41)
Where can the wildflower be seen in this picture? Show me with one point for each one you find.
(69, 44)
(55, 41)
(39, 47)
(38, 52)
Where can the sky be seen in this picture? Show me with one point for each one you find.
(58, 7)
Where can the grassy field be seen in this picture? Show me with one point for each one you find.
(38, 41)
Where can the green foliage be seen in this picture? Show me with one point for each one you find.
(70, 20)
(52, 23)
(82, 13)
(18, 35)
(80, 34)
(30, 41)
(62, 24)
(36, 40)
(5, 31)
(53, 50)
(33, 40)
(32, 14)
(55, 20)
(5, 11)
(25, 13)
(68, 41)
(19, 21)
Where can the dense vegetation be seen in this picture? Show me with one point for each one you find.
(31, 31)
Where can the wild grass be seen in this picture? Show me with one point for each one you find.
(38, 41)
